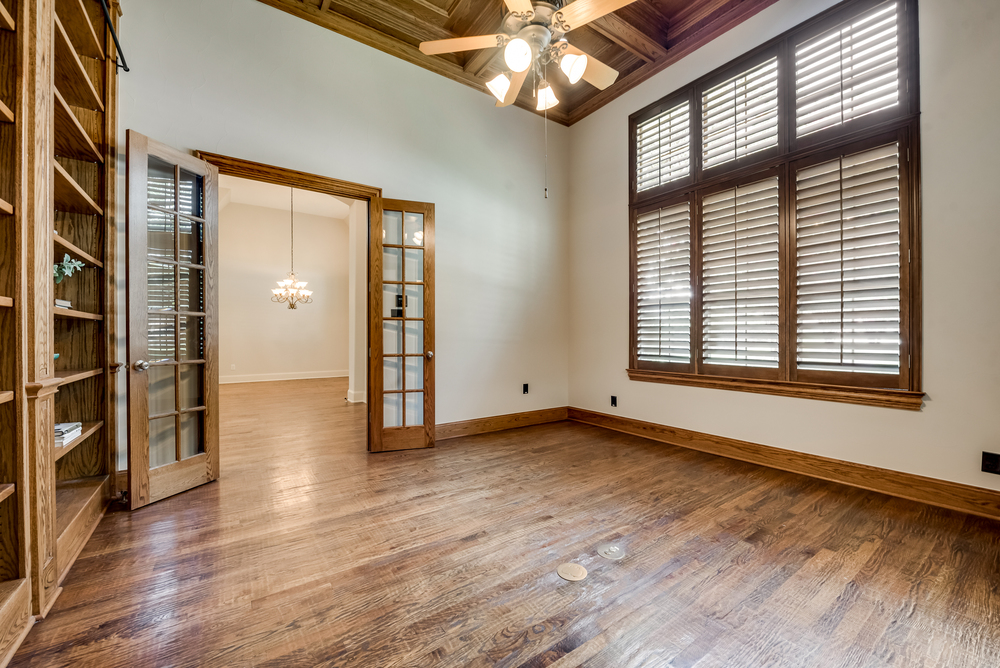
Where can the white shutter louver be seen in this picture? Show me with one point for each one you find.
(663, 271)
(740, 275)
(663, 148)
(740, 116)
(848, 275)
(847, 72)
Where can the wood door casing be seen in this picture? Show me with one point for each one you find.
(381, 438)
(148, 485)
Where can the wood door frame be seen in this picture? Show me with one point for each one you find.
(282, 176)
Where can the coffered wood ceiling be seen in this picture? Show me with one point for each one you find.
(638, 40)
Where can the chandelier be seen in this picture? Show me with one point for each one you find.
(291, 291)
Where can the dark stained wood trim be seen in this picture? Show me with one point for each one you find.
(886, 398)
(499, 423)
(942, 493)
(258, 171)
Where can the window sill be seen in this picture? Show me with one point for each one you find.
(886, 398)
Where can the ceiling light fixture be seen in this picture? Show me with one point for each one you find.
(518, 55)
(533, 35)
(573, 66)
(499, 86)
(546, 98)
(291, 290)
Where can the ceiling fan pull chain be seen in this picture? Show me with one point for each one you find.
(545, 120)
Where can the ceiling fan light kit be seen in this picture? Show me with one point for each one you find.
(499, 86)
(533, 35)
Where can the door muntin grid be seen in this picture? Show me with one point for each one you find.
(404, 295)
(176, 312)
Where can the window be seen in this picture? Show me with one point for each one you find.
(774, 230)
(663, 146)
(740, 116)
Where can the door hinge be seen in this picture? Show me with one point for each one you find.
(909, 361)
(909, 256)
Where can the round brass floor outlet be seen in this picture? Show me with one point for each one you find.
(610, 551)
(571, 572)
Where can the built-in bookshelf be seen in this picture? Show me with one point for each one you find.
(15, 585)
(82, 131)
(57, 198)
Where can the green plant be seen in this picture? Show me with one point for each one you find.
(67, 267)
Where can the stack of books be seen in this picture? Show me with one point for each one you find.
(67, 431)
(64, 303)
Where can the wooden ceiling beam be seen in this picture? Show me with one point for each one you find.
(738, 11)
(629, 37)
(394, 18)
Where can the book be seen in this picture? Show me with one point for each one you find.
(64, 303)
(63, 427)
(67, 438)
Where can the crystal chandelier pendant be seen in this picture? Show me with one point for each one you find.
(292, 291)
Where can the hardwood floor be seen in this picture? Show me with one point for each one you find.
(311, 552)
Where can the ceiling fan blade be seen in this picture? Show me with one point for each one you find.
(519, 5)
(581, 12)
(597, 73)
(462, 44)
(515, 87)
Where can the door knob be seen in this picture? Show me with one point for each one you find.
(430, 355)
(141, 366)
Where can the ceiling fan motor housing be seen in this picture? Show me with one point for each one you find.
(514, 24)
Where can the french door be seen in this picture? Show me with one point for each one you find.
(401, 326)
(173, 374)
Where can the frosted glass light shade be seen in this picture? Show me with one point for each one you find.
(546, 98)
(517, 55)
(499, 86)
(573, 67)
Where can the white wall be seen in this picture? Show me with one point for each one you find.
(260, 340)
(960, 93)
(239, 78)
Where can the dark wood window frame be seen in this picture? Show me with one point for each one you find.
(899, 123)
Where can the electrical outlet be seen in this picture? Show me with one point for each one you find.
(991, 462)
(232, 367)
(614, 401)
(524, 389)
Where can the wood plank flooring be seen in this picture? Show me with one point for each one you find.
(311, 552)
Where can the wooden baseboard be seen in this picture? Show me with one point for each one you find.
(485, 425)
(942, 493)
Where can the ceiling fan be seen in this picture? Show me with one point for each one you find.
(532, 35)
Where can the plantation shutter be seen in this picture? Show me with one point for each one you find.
(663, 148)
(740, 275)
(740, 116)
(848, 267)
(663, 271)
(847, 72)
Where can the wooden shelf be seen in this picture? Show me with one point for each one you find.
(89, 429)
(71, 140)
(72, 497)
(6, 115)
(6, 302)
(80, 28)
(74, 375)
(5, 206)
(6, 396)
(70, 197)
(79, 506)
(76, 252)
(78, 315)
(71, 78)
(6, 490)
(6, 20)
